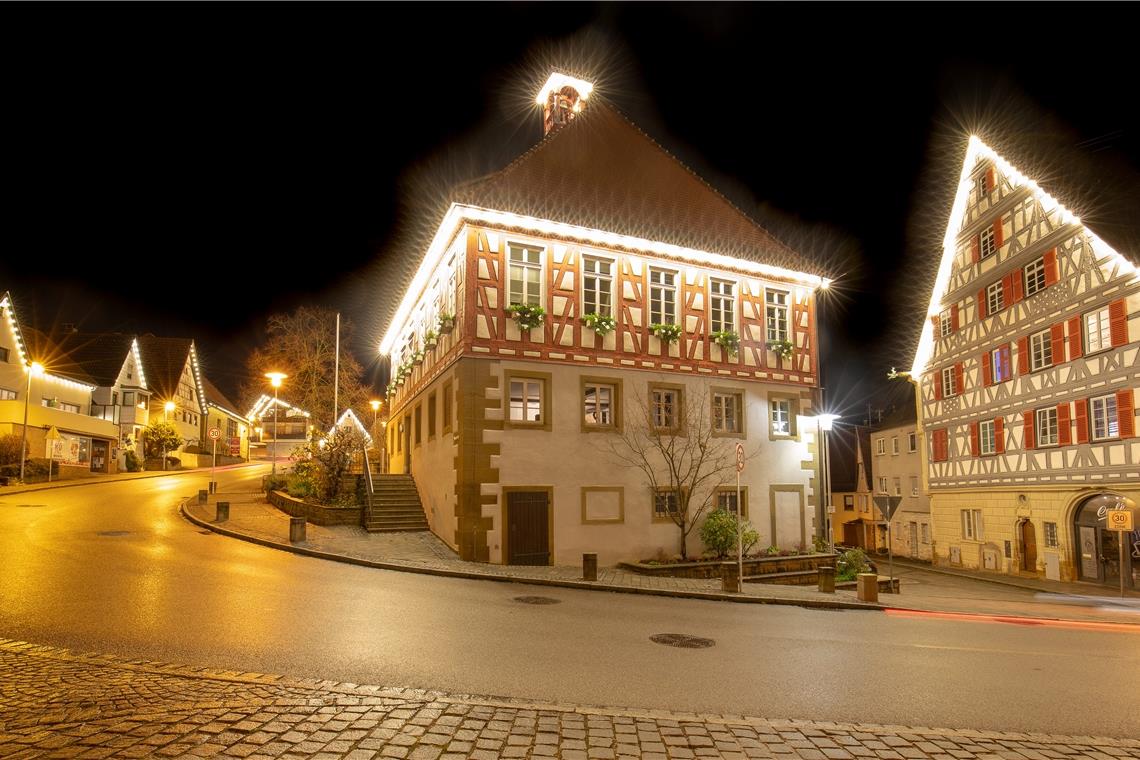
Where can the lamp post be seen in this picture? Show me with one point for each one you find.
(35, 368)
(275, 379)
(826, 422)
(167, 408)
(375, 411)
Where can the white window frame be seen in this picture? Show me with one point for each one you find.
(880, 445)
(987, 243)
(981, 189)
(987, 439)
(597, 286)
(1051, 537)
(663, 497)
(776, 314)
(662, 296)
(945, 323)
(996, 366)
(1103, 414)
(914, 485)
(912, 442)
(1045, 428)
(727, 412)
(1040, 350)
(883, 484)
(606, 420)
(665, 407)
(530, 399)
(972, 525)
(722, 305)
(8, 395)
(726, 501)
(1034, 277)
(524, 265)
(995, 298)
(924, 530)
(781, 412)
(897, 483)
(948, 388)
(1098, 333)
(894, 445)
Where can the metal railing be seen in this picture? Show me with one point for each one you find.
(366, 510)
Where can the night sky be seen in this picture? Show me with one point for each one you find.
(188, 169)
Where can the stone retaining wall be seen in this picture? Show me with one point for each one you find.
(314, 513)
(716, 568)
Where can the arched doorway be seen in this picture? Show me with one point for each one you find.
(1098, 549)
(1027, 546)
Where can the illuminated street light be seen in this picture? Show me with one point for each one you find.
(275, 379)
(167, 408)
(34, 370)
(375, 410)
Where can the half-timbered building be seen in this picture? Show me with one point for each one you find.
(1027, 369)
(585, 283)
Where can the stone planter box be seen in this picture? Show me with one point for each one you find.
(753, 566)
(314, 513)
(884, 585)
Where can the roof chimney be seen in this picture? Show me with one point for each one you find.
(562, 98)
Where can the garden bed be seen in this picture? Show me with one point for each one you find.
(315, 513)
(716, 568)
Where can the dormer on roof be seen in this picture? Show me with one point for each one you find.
(562, 98)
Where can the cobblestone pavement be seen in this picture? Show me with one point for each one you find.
(54, 703)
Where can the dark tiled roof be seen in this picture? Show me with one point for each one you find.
(55, 355)
(100, 355)
(842, 450)
(218, 399)
(602, 172)
(163, 361)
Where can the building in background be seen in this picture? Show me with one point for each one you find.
(896, 470)
(233, 427)
(853, 516)
(174, 378)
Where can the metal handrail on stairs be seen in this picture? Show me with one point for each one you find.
(366, 512)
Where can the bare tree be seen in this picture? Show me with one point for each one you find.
(670, 440)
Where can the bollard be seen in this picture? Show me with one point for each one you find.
(223, 512)
(296, 529)
(868, 587)
(730, 579)
(827, 579)
(589, 567)
(202, 496)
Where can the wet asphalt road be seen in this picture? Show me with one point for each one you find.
(113, 568)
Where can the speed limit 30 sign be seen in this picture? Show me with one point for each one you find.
(1120, 519)
(215, 434)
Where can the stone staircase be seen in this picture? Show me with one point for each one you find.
(394, 505)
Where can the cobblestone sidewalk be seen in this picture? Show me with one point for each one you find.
(54, 703)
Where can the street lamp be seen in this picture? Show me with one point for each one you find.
(275, 379)
(826, 423)
(34, 369)
(375, 410)
(167, 408)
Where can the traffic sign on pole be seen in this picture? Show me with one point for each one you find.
(215, 434)
(1119, 519)
(740, 457)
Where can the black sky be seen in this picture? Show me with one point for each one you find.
(188, 169)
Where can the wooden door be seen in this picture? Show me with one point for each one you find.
(1028, 537)
(528, 528)
(851, 534)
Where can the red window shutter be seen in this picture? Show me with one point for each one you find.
(999, 435)
(1125, 413)
(1017, 279)
(1118, 322)
(941, 445)
(1064, 425)
(937, 326)
(987, 369)
(1082, 417)
(1057, 338)
(982, 303)
(975, 249)
(959, 376)
(975, 448)
(938, 385)
(1027, 422)
(1051, 274)
(990, 184)
(954, 316)
(1007, 289)
(999, 235)
(1023, 356)
(1075, 338)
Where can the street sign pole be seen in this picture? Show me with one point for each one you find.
(739, 520)
(215, 434)
(888, 505)
(1120, 521)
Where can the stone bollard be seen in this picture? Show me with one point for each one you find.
(730, 580)
(589, 567)
(223, 512)
(868, 587)
(296, 529)
(827, 579)
(202, 495)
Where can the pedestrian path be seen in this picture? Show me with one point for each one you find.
(95, 480)
(58, 704)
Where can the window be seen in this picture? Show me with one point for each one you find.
(7, 395)
(995, 298)
(525, 269)
(988, 243)
(981, 186)
(987, 442)
(526, 400)
(662, 297)
(447, 297)
(1098, 336)
(972, 524)
(1051, 535)
(898, 486)
(781, 416)
(1046, 426)
(727, 412)
(128, 398)
(883, 484)
(1040, 350)
(925, 533)
(939, 445)
(431, 416)
(1035, 277)
(948, 388)
(665, 406)
(3, 354)
(849, 502)
(722, 305)
(665, 504)
(1000, 366)
(881, 445)
(914, 485)
(776, 314)
(597, 286)
(864, 502)
(945, 323)
(417, 428)
(446, 407)
(598, 405)
(894, 444)
(1103, 412)
(912, 442)
(726, 500)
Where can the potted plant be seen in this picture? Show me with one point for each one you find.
(666, 333)
(431, 338)
(446, 323)
(527, 316)
(602, 324)
(418, 358)
(783, 348)
(728, 340)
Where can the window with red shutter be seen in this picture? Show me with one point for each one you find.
(976, 249)
(1125, 413)
(1057, 339)
(981, 303)
(975, 448)
(1118, 322)
(1027, 429)
(954, 316)
(936, 380)
(1017, 280)
(1007, 289)
(1081, 407)
(987, 369)
(959, 379)
(999, 435)
(1023, 356)
(990, 184)
(1002, 370)
(1064, 425)
(1075, 338)
(999, 234)
(1051, 274)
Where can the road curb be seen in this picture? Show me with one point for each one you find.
(551, 582)
(984, 579)
(102, 482)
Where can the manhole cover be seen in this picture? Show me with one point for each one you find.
(537, 600)
(681, 640)
(114, 532)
